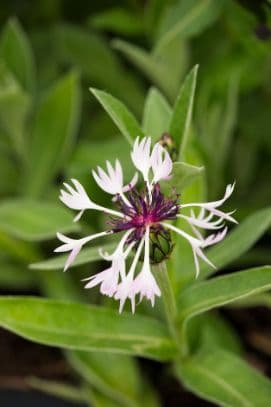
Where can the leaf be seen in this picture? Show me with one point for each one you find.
(156, 116)
(16, 52)
(240, 240)
(85, 327)
(55, 126)
(186, 19)
(57, 389)
(85, 256)
(120, 382)
(182, 175)
(8, 184)
(14, 107)
(223, 290)
(34, 221)
(14, 276)
(213, 330)
(92, 55)
(18, 249)
(156, 69)
(224, 379)
(117, 20)
(182, 112)
(89, 155)
(121, 116)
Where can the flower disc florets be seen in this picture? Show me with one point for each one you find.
(147, 210)
(142, 219)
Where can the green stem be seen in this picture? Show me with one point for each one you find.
(168, 299)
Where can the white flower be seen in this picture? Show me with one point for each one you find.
(77, 198)
(145, 284)
(161, 163)
(125, 289)
(109, 278)
(141, 156)
(75, 245)
(112, 182)
(211, 207)
(142, 214)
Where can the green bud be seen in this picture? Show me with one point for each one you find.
(160, 245)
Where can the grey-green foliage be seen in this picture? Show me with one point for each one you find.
(40, 126)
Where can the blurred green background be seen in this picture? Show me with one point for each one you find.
(52, 128)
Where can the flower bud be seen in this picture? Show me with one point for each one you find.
(161, 245)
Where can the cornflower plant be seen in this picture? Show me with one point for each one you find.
(171, 240)
(144, 217)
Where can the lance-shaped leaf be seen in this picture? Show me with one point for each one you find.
(55, 125)
(14, 108)
(240, 240)
(156, 115)
(17, 54)
(187, 18)
(119, 21)
(182, 112)
(121, 382)
(86, 255)
(121, 116)
(85, 327)
(207, 295)
(224, 379)
(182, 175)
(155, 68)
(57, 389)
(34, 221)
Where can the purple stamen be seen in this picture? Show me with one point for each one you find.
(143, 211)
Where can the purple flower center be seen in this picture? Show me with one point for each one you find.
(145, 210)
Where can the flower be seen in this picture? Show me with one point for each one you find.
(143, 219)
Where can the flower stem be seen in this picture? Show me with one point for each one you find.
(168, 298)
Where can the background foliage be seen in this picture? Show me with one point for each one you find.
(140, 60)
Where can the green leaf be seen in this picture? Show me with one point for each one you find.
(14, 107)
(224, 379)
(18, 249)
(213, 330)
(117, 20)
(89, 155)
(240, 240)
(14, 276)
(182, 176)
(220, 291)
(182, 112)
(155, 68)
(186, 19)
(156, 115)
(121, 116)
(92, 55)
(17, 54)
(87, 328)
(34, 221)
(55, 126)
(57, 389)
(119, 382)
(87, 255)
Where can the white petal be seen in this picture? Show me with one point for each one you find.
(141, 156)
(72, 256)
(75, 245)
(112, 181)
(161, 163)
(131, 184)
(125, 288)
